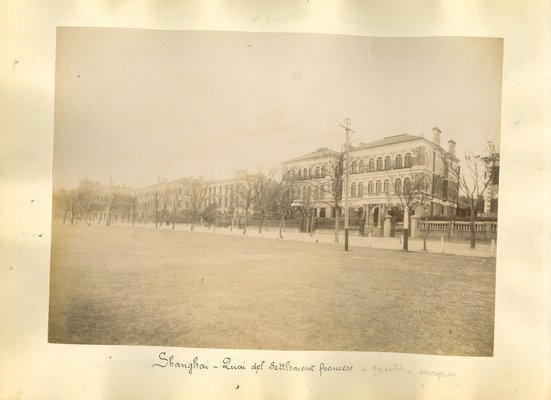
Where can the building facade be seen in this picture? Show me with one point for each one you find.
(382, 174)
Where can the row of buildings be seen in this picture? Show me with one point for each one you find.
(381, 173)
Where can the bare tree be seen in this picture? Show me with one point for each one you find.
(265, 196)
(63, 200)
(473, 181)
(246, 193)
(417, 193)
(175, 197)
(306, 207)
(82, 199)
(331, 187)
(286, 196)
(197, 189)
(451, 172)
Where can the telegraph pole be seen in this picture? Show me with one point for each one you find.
(347, 129)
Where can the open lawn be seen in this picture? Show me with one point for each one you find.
(145, 286)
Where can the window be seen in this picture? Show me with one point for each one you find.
(317, 192)
(407, 160)
(370, 188)
(323, 172)
(299, 174)
(309, 172)
(398, 186)
(399, 161)
(304, 173)
(407, 185)
(379, 163)
(362, 166)
(353, 190)
(322, 192)
(360, 189)
(386, 187)
(378, 187)
(317, 172)
(387, 162)
(371, 166)
(353, 167)
(299, 192)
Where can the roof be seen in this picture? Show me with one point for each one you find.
(322, 152)
(389, 140)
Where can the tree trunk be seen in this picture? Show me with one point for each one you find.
(260, 225)
(312, 223)
(282, 219)
(473, 239)
(426, 233)
(336, 224)
(246, 222)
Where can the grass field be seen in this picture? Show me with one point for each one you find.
(141, 286)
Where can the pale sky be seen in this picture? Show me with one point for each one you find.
(137, 104)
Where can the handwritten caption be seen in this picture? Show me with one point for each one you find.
(322, 368)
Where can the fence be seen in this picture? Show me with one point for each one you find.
(460, 230)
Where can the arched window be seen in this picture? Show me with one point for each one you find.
(360, 189)
(370, 188)
(317, 193)
(317, 172)
(377, 187)
(386, 187)
(304, 173)
(309, 172)
(353, 167)
(371, 166)
(398, 186)
(398, 161)
(379, 163)
(323, 172)
(407, 160)
(407, 185)
(362, 166)
(322, 192)
(353, 190)
(299, 174)
(387, 162)
(309, 191)
(299, 192)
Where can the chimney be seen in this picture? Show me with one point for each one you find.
(436, 136)
(451, 147)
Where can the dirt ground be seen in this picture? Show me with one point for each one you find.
(145, 286)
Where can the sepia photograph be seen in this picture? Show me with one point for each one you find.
(275, 191)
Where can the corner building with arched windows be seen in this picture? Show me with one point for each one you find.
(381, 175)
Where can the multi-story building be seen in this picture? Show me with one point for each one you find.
(381, 173)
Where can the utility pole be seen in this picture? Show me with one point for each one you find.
(347, 129)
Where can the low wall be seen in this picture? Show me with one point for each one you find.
(451, 230)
